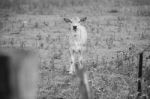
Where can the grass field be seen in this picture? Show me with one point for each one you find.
(114, 33)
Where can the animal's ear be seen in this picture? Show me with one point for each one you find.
(67, 20)
(83, 19)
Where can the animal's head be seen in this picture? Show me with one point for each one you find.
(75, 22)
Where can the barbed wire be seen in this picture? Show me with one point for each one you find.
(136, 54)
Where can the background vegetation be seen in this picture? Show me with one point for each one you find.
(117, 30)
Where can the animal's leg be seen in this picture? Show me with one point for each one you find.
(81, 59)
(72, 67)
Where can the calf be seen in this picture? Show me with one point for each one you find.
(77, 40)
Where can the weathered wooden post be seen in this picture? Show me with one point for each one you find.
(18, 74)
(4, 77)
(140, 73)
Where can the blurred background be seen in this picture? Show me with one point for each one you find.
(49, 6)
(118, 30)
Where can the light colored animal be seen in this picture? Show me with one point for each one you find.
(77, 40)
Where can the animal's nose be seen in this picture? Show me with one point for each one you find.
(74, 27)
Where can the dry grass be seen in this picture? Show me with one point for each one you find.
(112, 38)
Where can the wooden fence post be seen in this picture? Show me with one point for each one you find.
(140, 74)
(18, 74)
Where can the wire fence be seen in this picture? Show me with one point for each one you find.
(140, 77)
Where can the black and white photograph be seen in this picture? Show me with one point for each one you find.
(74, 49)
